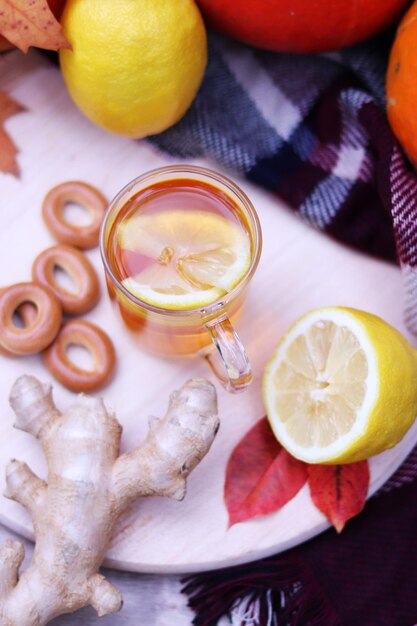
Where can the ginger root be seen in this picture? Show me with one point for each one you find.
(88, 487)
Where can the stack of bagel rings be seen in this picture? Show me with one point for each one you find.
(32, 313)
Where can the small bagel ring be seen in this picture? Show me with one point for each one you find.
(27, 313)
(78, 267)
(65, 232)
(41, 330)
(95, 340)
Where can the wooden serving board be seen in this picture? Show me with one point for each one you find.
(299, 269)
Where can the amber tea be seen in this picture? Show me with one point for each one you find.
(178, 247)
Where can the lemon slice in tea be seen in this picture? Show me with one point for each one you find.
(190, 258)
(341, 386)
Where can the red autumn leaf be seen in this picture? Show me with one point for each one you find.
(8, 150)
(261, 476)
(339, 491)
(31, 23)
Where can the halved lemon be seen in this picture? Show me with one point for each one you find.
(192, 257)
(341, 386)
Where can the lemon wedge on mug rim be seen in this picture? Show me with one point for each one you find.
(341, 386)
(194, 257)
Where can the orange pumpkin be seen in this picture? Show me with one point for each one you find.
(301, 25)
(56, 6)
(401, 83)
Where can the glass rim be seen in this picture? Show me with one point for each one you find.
(186, 169)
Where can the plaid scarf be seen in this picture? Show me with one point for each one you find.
(313, 130)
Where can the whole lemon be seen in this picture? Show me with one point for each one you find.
(135, 65)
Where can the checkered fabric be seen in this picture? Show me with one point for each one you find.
(312, 129)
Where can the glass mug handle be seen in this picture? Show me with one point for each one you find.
(237, 374)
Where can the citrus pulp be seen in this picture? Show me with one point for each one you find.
(341, 386)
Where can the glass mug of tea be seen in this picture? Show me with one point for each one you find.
(179, 246)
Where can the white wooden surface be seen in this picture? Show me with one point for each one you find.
(300, 269)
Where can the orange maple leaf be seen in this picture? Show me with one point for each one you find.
(8, 150)
(28, 23)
